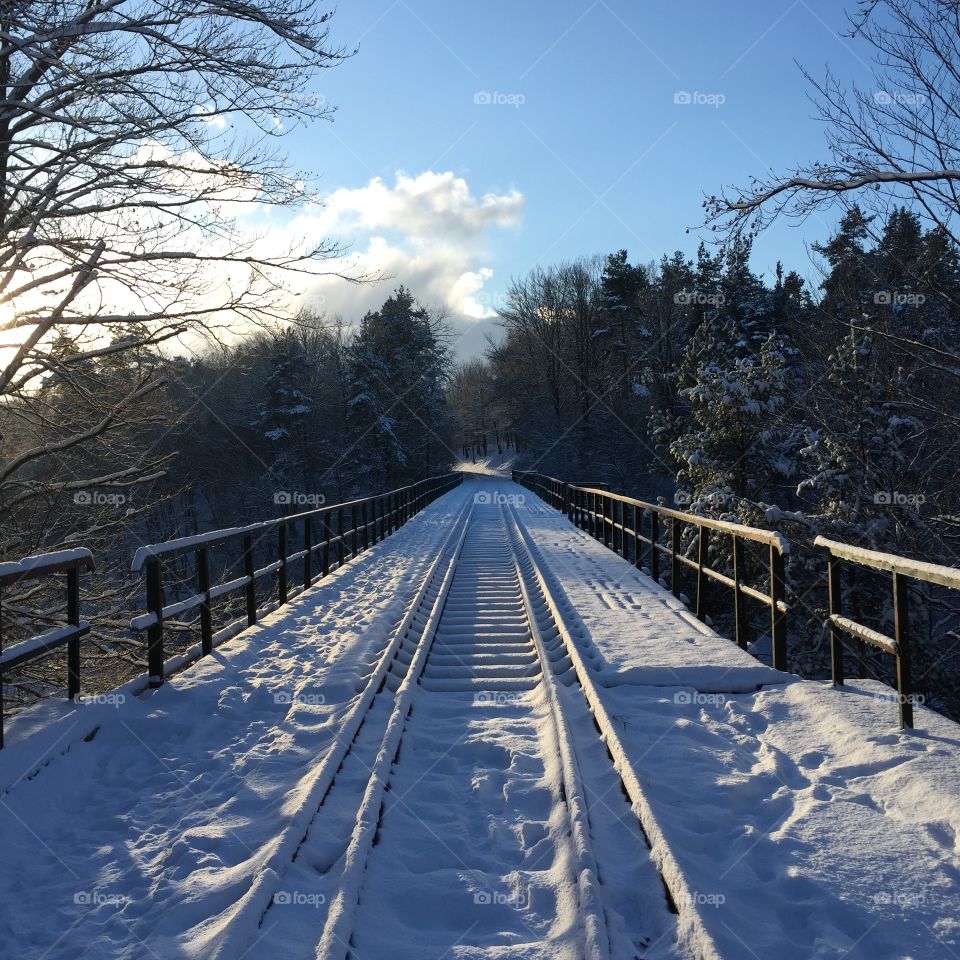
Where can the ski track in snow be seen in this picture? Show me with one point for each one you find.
(802, 822)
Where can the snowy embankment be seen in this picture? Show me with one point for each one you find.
(805, 823)
(139, 840)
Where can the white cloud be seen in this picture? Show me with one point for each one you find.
(428, 232)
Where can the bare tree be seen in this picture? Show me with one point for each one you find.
(893, 143)
(132, 134)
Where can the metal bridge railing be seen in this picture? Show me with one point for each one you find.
(337, 532)
(328, 537)
(39, 567)
(898, 646)
(632, 528)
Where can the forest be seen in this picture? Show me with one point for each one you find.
(145, 396)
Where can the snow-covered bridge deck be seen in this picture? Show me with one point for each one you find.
(783, 815)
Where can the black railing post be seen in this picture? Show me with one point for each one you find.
(654, 550)
(607, 521)
(355, 534)
(155, 630)
(73, 620)
(282, 569)
(341, 543)
(637, 533)
(674, 557)
(251, 586)
(835, 589)
(308, 551)
(703, 546)
(778, 618)
(325, 550)
(203, 585)
(741, 621)
(901, 633)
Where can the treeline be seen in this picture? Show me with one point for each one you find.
(830, 412)
(279, 421)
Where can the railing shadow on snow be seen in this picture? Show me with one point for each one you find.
(327, 537)
(643, 533)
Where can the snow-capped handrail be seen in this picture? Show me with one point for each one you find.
(217, 537)
(892, 563)
(770, 537)
(345, 530)
(903, 569)
(44, 564)
(37, 567)
(605, 516)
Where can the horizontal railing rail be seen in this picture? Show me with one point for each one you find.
(39, 567)
(634, 527)
(337, 533)
(897, 646)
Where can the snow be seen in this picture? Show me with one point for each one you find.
(826, 831)
(44, 641)
(34, 566)
(919, 569)
(787, 818)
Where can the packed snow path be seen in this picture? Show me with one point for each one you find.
(457, 824)
(486, 736)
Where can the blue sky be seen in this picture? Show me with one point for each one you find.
(529, 133)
